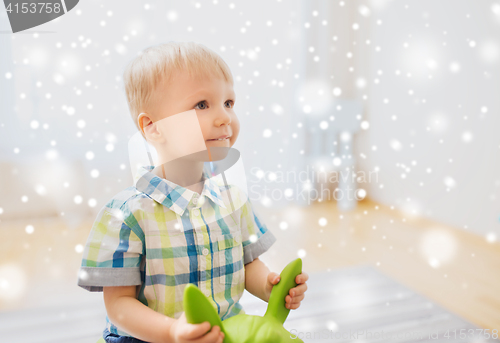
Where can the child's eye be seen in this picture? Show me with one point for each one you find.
(204, 107)
(201, 102)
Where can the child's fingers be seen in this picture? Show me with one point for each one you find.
(300, 289)
(301, 278)
(273, 278)
(294, 306)
(192, 331)
(296, 299)
(210, 337)
(221, 338)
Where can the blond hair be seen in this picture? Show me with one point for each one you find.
(158, 64)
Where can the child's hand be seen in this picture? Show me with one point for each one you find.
(182, 332)
(296, 294)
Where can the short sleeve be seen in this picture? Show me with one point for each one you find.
(113, 253)
(256, 238)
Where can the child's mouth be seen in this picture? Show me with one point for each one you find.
(218, 139)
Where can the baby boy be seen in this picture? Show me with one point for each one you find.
(175, 227)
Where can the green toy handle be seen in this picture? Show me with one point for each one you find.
(198, 309)
(276, 307)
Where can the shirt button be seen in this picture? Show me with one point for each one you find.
(196, 212)
(205, 251)
(207, 293)
(195, 201)
(237, 239)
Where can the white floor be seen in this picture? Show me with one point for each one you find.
(345, 305)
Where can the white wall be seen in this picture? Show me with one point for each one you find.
(433, 122)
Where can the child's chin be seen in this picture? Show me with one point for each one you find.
(217, 152)
(224, 143)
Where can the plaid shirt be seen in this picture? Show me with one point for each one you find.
(161, 236)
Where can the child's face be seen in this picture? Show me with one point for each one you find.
(213, 99)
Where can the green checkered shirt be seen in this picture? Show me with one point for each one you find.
(161, 236)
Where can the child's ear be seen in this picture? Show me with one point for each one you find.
(148, 127)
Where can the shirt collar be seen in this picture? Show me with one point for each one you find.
(173, 196)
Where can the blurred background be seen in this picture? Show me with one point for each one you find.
(369, 133)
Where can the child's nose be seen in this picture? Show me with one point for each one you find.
(222, 118)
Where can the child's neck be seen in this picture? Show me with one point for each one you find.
(185, 173)
(197, 188)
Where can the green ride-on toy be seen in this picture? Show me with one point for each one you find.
(245, 328)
